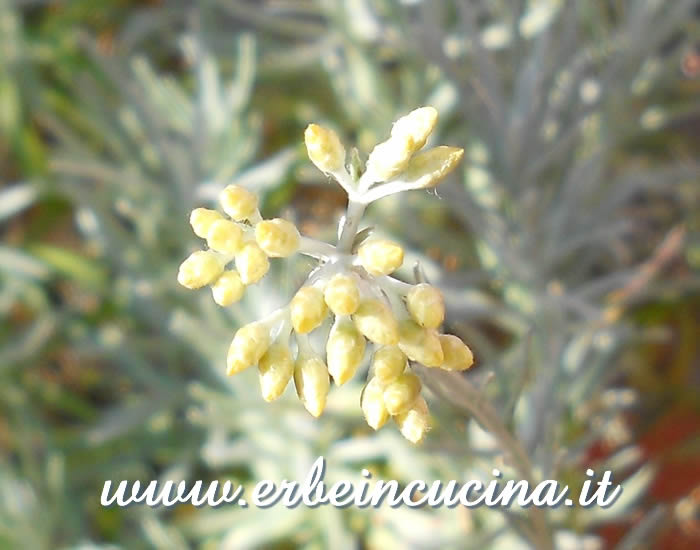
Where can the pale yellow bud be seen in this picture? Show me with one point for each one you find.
(376, 322)
(345, 349)
(388, 159)
(278, 238)
(457, 354)
(341, 294)
(201, 220)
(388, 363)
(225, 236)
(415, 422)
(324, 148)
(238, 202)
(312, 383)
(416, 126)
(249, 344)
(276, 369)
(307, 309)
(228, 288)
(372, 404)
(401, 393)
(380, 256)
(420, 344)
(428, 168)
(200, 269)
(426, 305)
(252, 263)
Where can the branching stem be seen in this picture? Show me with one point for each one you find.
(458, 391)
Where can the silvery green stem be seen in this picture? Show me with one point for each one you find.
(350, 225)
(388, 282)
(316, 249)
(345, 180)
(460, 393)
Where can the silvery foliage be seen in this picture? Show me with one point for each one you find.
(539, 224)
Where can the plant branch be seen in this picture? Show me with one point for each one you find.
(458, 391)
(351, 224)
(316, 249)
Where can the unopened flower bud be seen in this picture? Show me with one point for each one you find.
(324, 148)
(389, 158)
(401, 393)
(420, 344)
(457, 354)
(416, 126)
(224, 236)
(341, 294)
(428, 168)
(388, 363)
(380, 256)
(415, 422)
(307, 309)
(276, 369)
(252, 263)
(201, 220)
(312, 383)
(426, 305)
(345, 349)
(238, 202)
(376, 322)
(249, 344)
(228, 288)
(278, 238)
(372, 404)
(199, 269)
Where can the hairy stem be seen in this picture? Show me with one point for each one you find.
(458, 391)
(316, 249)
(351, 224)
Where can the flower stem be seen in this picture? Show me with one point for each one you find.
(350, 225)
(316, 249)
(459, 392)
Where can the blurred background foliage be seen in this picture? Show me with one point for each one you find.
(568, 248)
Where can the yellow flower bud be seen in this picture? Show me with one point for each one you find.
(324, 148)
(416, 126)
(252, 263)
(426, 305)
(278, 238)
(401, 393)
(376, 322)
(388, 363)
(420, 344)
(342, 295)
(249, 344)
(307, 309)
(228, 288)
(345, 349)
(224, 236)
(201, 220)
(388, 159)
(312, 383)
(200, 269)
(457, 354)
(372, 404)
(276, 369)
(428, 168)
(238, 202)
(415, 422)
(380, 256)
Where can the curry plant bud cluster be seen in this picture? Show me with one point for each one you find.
(351, 296)
(243, 238)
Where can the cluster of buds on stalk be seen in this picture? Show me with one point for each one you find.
(351, 293)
